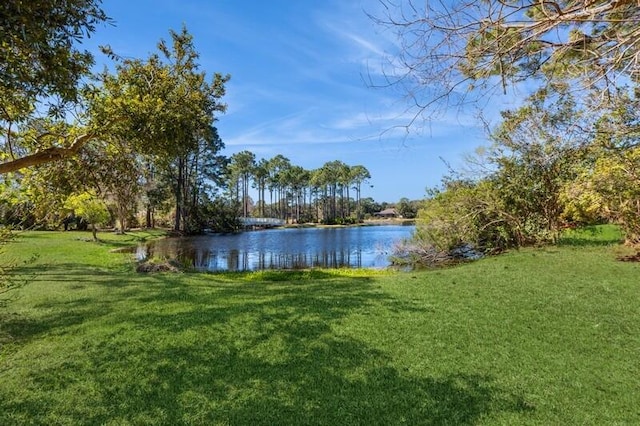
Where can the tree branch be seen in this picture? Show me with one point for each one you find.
(47, 155)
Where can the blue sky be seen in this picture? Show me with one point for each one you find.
(298, 85)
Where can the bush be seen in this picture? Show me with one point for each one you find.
(466, 213)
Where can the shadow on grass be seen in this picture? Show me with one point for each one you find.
(128, 240)
(249, 351)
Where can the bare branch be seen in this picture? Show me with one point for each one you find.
(449, 51)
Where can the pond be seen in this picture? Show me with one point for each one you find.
(284, 248)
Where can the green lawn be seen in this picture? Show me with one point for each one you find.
(538, 336)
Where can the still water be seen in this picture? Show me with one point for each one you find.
(353, 247)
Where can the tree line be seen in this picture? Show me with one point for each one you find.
(295, 194)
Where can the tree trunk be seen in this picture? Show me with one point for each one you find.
(179, 183)
(122, 218)
(149, 222)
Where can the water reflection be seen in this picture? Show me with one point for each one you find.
(358, 247)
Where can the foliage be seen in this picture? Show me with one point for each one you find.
(610, 190)
(156, 193)
(537, 149)
(466, 214)
(17, 210)
(296, 194)
(41, 64)
(38, 53)
(164, 108)
(195, 178)
(535, 154)
(358, 175)
(6, 283)
(90, 207)
(607, 185)
(452, 52)
(109, 168)
(241, 166)
(219, 215)
(407, 209)
(115, 171)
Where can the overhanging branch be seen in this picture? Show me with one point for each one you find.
(46, 155)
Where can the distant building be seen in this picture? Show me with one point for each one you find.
(387, 213)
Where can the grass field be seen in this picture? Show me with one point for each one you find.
(547, 336)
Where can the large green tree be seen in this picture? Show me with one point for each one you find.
(608, 185)
(40, 62)
(164, 106)
(358, 175)
(277, 167)
(519, 200)
(39, 54)
(260, 175)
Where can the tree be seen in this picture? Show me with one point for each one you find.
(90, 207)
(37, 53)
(47, 185)
(407, 209)
(118, 172)
(295, 179)
(609, 190)
(324, 179)
(163, 106)
(462, 214)
(369, 206)
(65, 145)
(332, 173)
(277, 166)
(359, 174)
(343, 175)
(242, 165)
(195, 177)
(448, 49)
(260, 175)
(39, 61)
(519, 200)
(608, 184)
(156, 191)
(536, 151)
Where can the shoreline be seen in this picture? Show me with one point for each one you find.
(375, 222)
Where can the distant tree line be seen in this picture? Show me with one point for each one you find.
(330, 194)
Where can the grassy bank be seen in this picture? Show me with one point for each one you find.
(539, 336)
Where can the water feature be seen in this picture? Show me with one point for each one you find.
(287, 248)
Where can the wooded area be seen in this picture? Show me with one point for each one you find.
(569, 155)
(136, 146)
